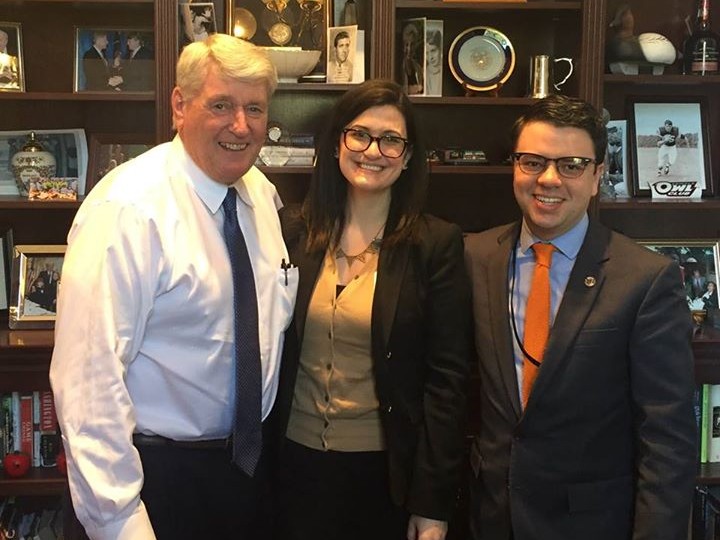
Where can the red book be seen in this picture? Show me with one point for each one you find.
(26, 424)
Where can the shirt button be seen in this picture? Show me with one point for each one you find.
(327, 423)
(329, 335)
(327, 398)
(389, 409)
(329, 367)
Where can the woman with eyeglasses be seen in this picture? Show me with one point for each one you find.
(373, 383)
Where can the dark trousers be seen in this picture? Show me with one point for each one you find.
(335, 496)
(199, 493)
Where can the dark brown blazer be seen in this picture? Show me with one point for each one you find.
(606, 447)
(420, 349)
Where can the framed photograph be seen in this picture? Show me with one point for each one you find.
(614, 183)
(433, 57)
(350, 12)
(68, 146)
(12, 72)
(36, 278)
(197, 21)
(342, 45)
(6, 252)
(412, 55)
(699, 261)
(114, 60)
(297, 23)
(670, 152)
(108, 150)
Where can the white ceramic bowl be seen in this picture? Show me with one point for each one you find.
(292, 62)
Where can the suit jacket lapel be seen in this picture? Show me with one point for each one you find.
(586, 281)
(497, 285)
(390, 275)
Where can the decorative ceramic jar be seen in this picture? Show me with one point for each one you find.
(32, 163)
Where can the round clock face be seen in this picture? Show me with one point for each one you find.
(274, 133)
(280, 33)
(481, 58)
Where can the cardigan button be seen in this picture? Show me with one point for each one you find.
(389, 409)
(388, 355)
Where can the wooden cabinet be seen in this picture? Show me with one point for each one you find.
(476, 197)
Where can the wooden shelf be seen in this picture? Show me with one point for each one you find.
(648, 203)
(8, 202)
(487, 6)
(474, 100)
(471, 169)
(709, 474)
(81, 96)
(661, 79)
(39, 481)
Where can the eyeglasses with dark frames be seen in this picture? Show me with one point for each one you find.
(567, 167)
(390, 146)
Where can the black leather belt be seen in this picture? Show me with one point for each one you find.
(156, 440)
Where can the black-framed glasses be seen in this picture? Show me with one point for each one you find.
(567, 167)
(390, 146)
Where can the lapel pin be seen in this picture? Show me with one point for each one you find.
(590, 281)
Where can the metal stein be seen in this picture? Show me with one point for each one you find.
(541, 75)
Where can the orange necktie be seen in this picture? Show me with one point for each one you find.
(537, 316)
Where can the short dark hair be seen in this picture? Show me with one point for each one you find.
(564, 111)
(324, 207)
(340, 35)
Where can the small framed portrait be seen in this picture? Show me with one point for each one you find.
(412, 56)
(108, 150)
(433, 57)
(114, 60)
(6, 251)
(670, 147)
(12, 72)
(197, 20)
(342, 45)
(36, 278)
(699, 261)
(296, 23)
(613, 183)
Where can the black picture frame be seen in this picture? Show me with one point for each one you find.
(115, 69)
(689, 162)
(6, 253)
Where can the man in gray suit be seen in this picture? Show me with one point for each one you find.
(602, 446)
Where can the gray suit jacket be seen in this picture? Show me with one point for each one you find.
(606, 448)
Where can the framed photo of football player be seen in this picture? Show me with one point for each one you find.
(670, 142)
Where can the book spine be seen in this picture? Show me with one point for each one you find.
(15, 415)
(26, 424)
(705, 423)
(49, 437)
(36, 428)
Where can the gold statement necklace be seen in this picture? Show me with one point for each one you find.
(372, 247)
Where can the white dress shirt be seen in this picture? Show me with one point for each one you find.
(144, 333)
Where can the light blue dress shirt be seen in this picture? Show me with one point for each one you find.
(567, 247)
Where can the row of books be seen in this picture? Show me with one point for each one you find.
(705, 520)
(21, 519)
(28, 424)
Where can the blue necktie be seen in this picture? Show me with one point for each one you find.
(247, 425)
